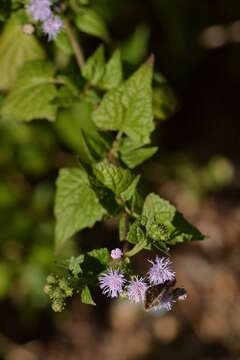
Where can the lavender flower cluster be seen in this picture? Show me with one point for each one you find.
(40, 10)
(113, 283)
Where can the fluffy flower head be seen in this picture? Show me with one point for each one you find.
(112, 283)
(160, 271)
(39, 10)
(52, 26)
(136, 290)
(116, 253)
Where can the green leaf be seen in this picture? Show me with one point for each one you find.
(105, 196)
(113, 75)
(94, 68)
(76, 204)
(164, 102)
(135, 48)
(158, 209)
(91, 23)
(129, 107)
(86, 297)
(114, 178)
(133, 154)
(77, 130)
(74, 265)
(31, 96)
(16, 48)
(136, 232)
(102, 255)
(184, 230)
(63, 43)
(128, 193)
(164, 224)
(137, 248)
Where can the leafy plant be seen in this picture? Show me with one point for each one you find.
(108, 120)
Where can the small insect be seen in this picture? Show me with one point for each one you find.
(163, 294)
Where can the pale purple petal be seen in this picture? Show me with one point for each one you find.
(112, 283)
(39, 10)
(52, 26)
(136, 290)
(116, 253)
(160, 271)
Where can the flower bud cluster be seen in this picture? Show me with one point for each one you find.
(58, 289)
(40, 11)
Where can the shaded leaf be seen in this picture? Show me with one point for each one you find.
(77, 130)
(32, 94)
(91, 23)
(94, 68)
(76, 204)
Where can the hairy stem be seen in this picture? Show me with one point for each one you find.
(75, 45)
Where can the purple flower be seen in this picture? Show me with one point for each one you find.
(112, 283)
(136, 290)
(160, 271)
(116, 253)
(39, 9)
(52, 26)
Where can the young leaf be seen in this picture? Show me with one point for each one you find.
(133, 154)
(76, 205)
(136, 232)
(91, 23)
(94, 68)
(76, 128)
(16, 48)
(102, 255)
(113, 74)
(114, 178)
(129, 107)
(74, 265)
(86, 297)
(128, 193)
(32, 94)
(165, 224)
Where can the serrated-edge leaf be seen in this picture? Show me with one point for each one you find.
(76, 205)
(114, 178)
(129, 107)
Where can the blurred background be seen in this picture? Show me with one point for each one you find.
(197, 48)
